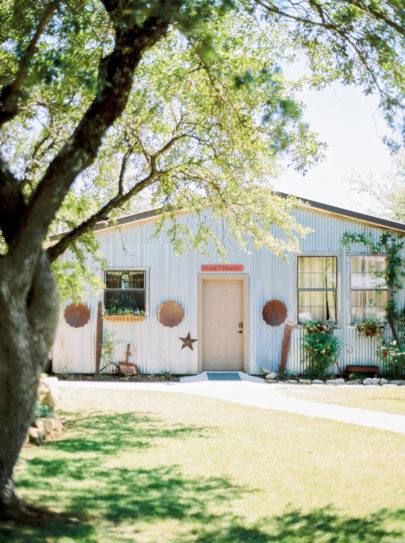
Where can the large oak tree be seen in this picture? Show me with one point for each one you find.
(102, 100)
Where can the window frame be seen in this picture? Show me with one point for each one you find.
(350, 319)
(323, 254)
(129, 269)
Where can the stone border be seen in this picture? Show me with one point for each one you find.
(273, 378)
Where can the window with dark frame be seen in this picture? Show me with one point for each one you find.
(125, 290)
(317, 288)
(369, 293)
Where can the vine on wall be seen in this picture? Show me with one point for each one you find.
(389, 244)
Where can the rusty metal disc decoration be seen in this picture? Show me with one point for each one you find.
(170, 314)
(274, 313)
(77, 315)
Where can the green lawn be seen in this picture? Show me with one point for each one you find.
(385, 399)
(147, 467)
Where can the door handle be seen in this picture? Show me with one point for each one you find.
(240, 332)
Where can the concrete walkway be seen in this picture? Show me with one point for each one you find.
(256, 393)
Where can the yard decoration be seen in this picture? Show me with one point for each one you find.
(285, 347)
(187, 341)
(274, 313)
(77, 315)
(170, 314)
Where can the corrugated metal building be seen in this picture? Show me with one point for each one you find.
(221, 306)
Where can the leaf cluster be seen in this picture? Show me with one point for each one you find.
(319, 347)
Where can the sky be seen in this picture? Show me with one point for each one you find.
(353, 128)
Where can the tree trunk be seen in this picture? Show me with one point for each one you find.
(28, 318)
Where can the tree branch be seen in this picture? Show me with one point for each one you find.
(60, 247)
(114, 84)
(10, 93)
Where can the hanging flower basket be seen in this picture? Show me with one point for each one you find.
(370, 328)
(125, 318)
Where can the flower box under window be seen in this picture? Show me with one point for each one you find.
(125, 318)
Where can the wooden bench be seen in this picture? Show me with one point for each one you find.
(352, 368)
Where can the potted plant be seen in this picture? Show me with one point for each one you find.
(370, 328)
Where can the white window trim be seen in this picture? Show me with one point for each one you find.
(130, 268)
(338, 257)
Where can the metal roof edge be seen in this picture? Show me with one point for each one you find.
(355, 215)
(302, 202)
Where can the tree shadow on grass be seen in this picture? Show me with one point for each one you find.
(107, 434)
(96, 497)
(323, 525)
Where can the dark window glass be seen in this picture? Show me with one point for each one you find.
(125, 290)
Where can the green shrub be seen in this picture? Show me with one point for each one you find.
(319, 347)
(42, 411)
(392, 354)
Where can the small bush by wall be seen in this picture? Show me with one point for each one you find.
(319, 348)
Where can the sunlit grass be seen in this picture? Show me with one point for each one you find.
(149, 467)
(385, 399)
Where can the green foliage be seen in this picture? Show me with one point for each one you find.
(390, 351)
(210, 118)
(392, 355)
(118, 311)
(42, 411)
(319, 347)
(107, 346)
(389, 244)
(370, 328)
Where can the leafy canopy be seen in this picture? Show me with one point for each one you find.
(209, 115)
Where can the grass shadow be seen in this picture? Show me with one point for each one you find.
(323, 525)
(107, 434)
(102, 503)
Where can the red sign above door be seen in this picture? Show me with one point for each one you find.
(221, 267)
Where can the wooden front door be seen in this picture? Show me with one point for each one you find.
(222, 333)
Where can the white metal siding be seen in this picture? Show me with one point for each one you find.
(156, 348)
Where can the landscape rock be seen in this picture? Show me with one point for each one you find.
(265, 370)
(48, 393)
(317, 382)
(384, 381)
(399, 382)
(292, 382)
(44, 429)
(305, 381)
(371, 381)
(335, 381)
(271, 376)
(35, 436)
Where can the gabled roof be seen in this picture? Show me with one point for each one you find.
(369, 220)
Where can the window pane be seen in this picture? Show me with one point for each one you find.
(357, 264)
(304, 264)
(316, 305)
(304, 280)
(367, 270)
(330, 308)
(124, 300)
(368, 304)
(316, 272)
(125, 279)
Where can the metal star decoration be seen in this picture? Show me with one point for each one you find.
(187, 341)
